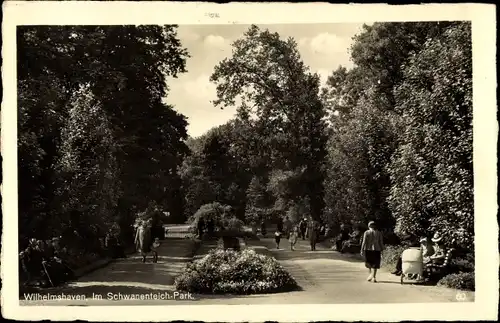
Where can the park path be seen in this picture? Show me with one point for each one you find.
(328, 276)
(325, 277)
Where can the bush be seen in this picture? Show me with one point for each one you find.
(231, 272)
(462, 265)
(391, 255)
(463, 281)
(214, 211)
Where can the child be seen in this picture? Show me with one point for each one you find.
(154, 249)
(294, 234)
(277, 238)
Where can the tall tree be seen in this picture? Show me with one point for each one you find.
(432, 169)
(125, 69)
(87, 168)
(276, 90)
(365, 126)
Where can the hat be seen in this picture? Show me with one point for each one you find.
(371, 224)
(437, 237)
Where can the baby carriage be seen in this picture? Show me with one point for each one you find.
(412, 264)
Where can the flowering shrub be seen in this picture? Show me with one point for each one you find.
(463, 281)
(231, 272)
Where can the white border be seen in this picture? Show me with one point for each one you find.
(109, 13)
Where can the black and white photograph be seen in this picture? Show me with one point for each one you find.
(277, 163)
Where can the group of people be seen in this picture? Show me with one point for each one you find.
(44, 263)
(143, 242)
(305, 228)
(372, 246)
(433, 252)
(347, 238)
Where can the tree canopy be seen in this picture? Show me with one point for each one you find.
(91, 113)
(389, 139)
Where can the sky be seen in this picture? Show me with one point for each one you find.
(323, 47)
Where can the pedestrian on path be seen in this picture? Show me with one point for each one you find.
(288, 227)
(201, 227)
(154, 249)
(263, 230)
(303, 228)
(277, 238)
(312, 232)
(294, 234)
(280, 224)
(371, 248)
(142, 239)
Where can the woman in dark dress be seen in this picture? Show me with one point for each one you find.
(313, 232)
(280, 225)
(263, 230)
(371, 248)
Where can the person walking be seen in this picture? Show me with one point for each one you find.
(312, 232)
(303, 228)
(294, 234)
(371, 248)
(287, 227)
(263, 230)
(142, 240)
(154, 249)
(201, 227)
(280, 224)
(277, 238)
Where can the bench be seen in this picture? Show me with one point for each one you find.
(350, 246)
(437, 271)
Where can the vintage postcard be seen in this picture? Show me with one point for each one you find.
(299, 162)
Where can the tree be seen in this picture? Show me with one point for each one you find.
(217, 212)
(365, 126)
(257, 201)
(383, 48)
(280, 95)
(432, 169)
(125, 70)
(87, 167)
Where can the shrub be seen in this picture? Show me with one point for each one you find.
(463, 281)
(462, 265)
(391, 255)
(231, 272)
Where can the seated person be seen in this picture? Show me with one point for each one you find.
(427, 249)
(353, 241)
(54, 263)
(343, 236)
(439, 254)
